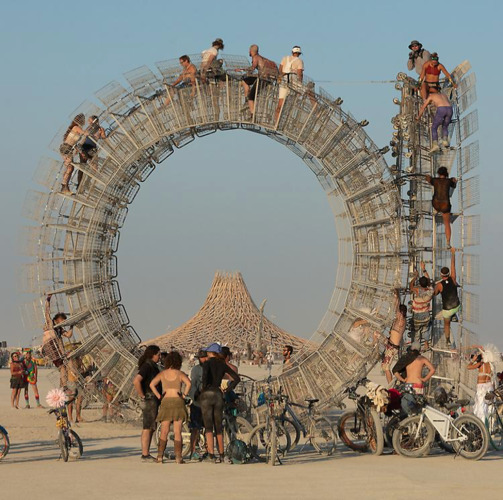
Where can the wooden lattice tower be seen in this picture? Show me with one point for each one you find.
(228, 316)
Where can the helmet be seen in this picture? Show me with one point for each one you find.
(415, 42)
(440, 396)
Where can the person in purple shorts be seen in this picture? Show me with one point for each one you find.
(443, 117)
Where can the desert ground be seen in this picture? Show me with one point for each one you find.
(111, 468)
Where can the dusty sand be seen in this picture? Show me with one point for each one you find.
(110, 468)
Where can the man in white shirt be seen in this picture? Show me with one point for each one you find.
(291, 71)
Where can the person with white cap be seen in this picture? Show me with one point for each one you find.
(291, 72)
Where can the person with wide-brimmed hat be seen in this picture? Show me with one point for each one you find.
(417, 56)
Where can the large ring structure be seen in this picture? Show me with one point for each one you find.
(76, 238)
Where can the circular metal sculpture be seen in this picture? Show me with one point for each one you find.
(77, 236)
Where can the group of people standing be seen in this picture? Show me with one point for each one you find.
(164, 394)
(23, 374)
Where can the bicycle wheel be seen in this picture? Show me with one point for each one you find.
(494, 426)
(390, 427)
(241, 428)
(260, 442)
(63, 445)
(4, 443)
(352, 431)
(75, 447)
(322, 436)
(375, 436)
(288, 426)
(411, 439)
(477, 442)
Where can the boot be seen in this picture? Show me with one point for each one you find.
(434, 147)
(161, 447)
(178, 452)
(445, 142)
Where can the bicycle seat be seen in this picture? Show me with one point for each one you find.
(311, 401)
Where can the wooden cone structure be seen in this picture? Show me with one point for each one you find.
(228, 316)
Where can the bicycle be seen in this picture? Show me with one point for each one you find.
(494, 422)
(361, 429)
(4, 442)
(69, 441)
(415, 435)
(319, 430)
(263, 440)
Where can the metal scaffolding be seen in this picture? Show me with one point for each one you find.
(75, 237)
(411, 145)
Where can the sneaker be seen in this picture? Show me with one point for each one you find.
(27, 407)
(445, 142)
(434, 147)
(196, 457)
(455, 319)
(148, 459)
(67, 191)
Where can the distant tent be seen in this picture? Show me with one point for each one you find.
(228, 316)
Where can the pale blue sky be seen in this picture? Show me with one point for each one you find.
(232, 201)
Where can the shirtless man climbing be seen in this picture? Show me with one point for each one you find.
(395, 337)
(187, 77)
(414, 370)
(443, 116)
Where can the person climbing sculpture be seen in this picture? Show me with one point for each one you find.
(442, 198)
(429, 77)
(448, 288)
(443, 117)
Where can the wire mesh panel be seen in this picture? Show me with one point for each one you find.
(469, 157)
(471, 269)
(468, 125)
(471, 307)
(471, 230)
(470, 192)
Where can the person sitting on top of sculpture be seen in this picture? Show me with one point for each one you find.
(417, 57)
(429, 78)
(441, 201)
(291, 71)
(266, 71)
(443, 116)
(187, 77)
(211, 67)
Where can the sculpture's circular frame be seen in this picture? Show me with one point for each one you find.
(77, 237)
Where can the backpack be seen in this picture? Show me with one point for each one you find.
(238, 452)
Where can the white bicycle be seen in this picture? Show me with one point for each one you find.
(466, 434)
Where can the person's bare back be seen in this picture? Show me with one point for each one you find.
(415, 371)
(439, 100)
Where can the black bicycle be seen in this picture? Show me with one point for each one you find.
(4, 442)
(318, 429)
(361, 429)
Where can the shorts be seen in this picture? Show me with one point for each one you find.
(17, 383)
(444, 207)
(283, 91)
(196, 418)
(449, 313)
(390, 353)
(150, 412)
(433, 85)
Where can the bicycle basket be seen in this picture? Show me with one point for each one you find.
(238, 452)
